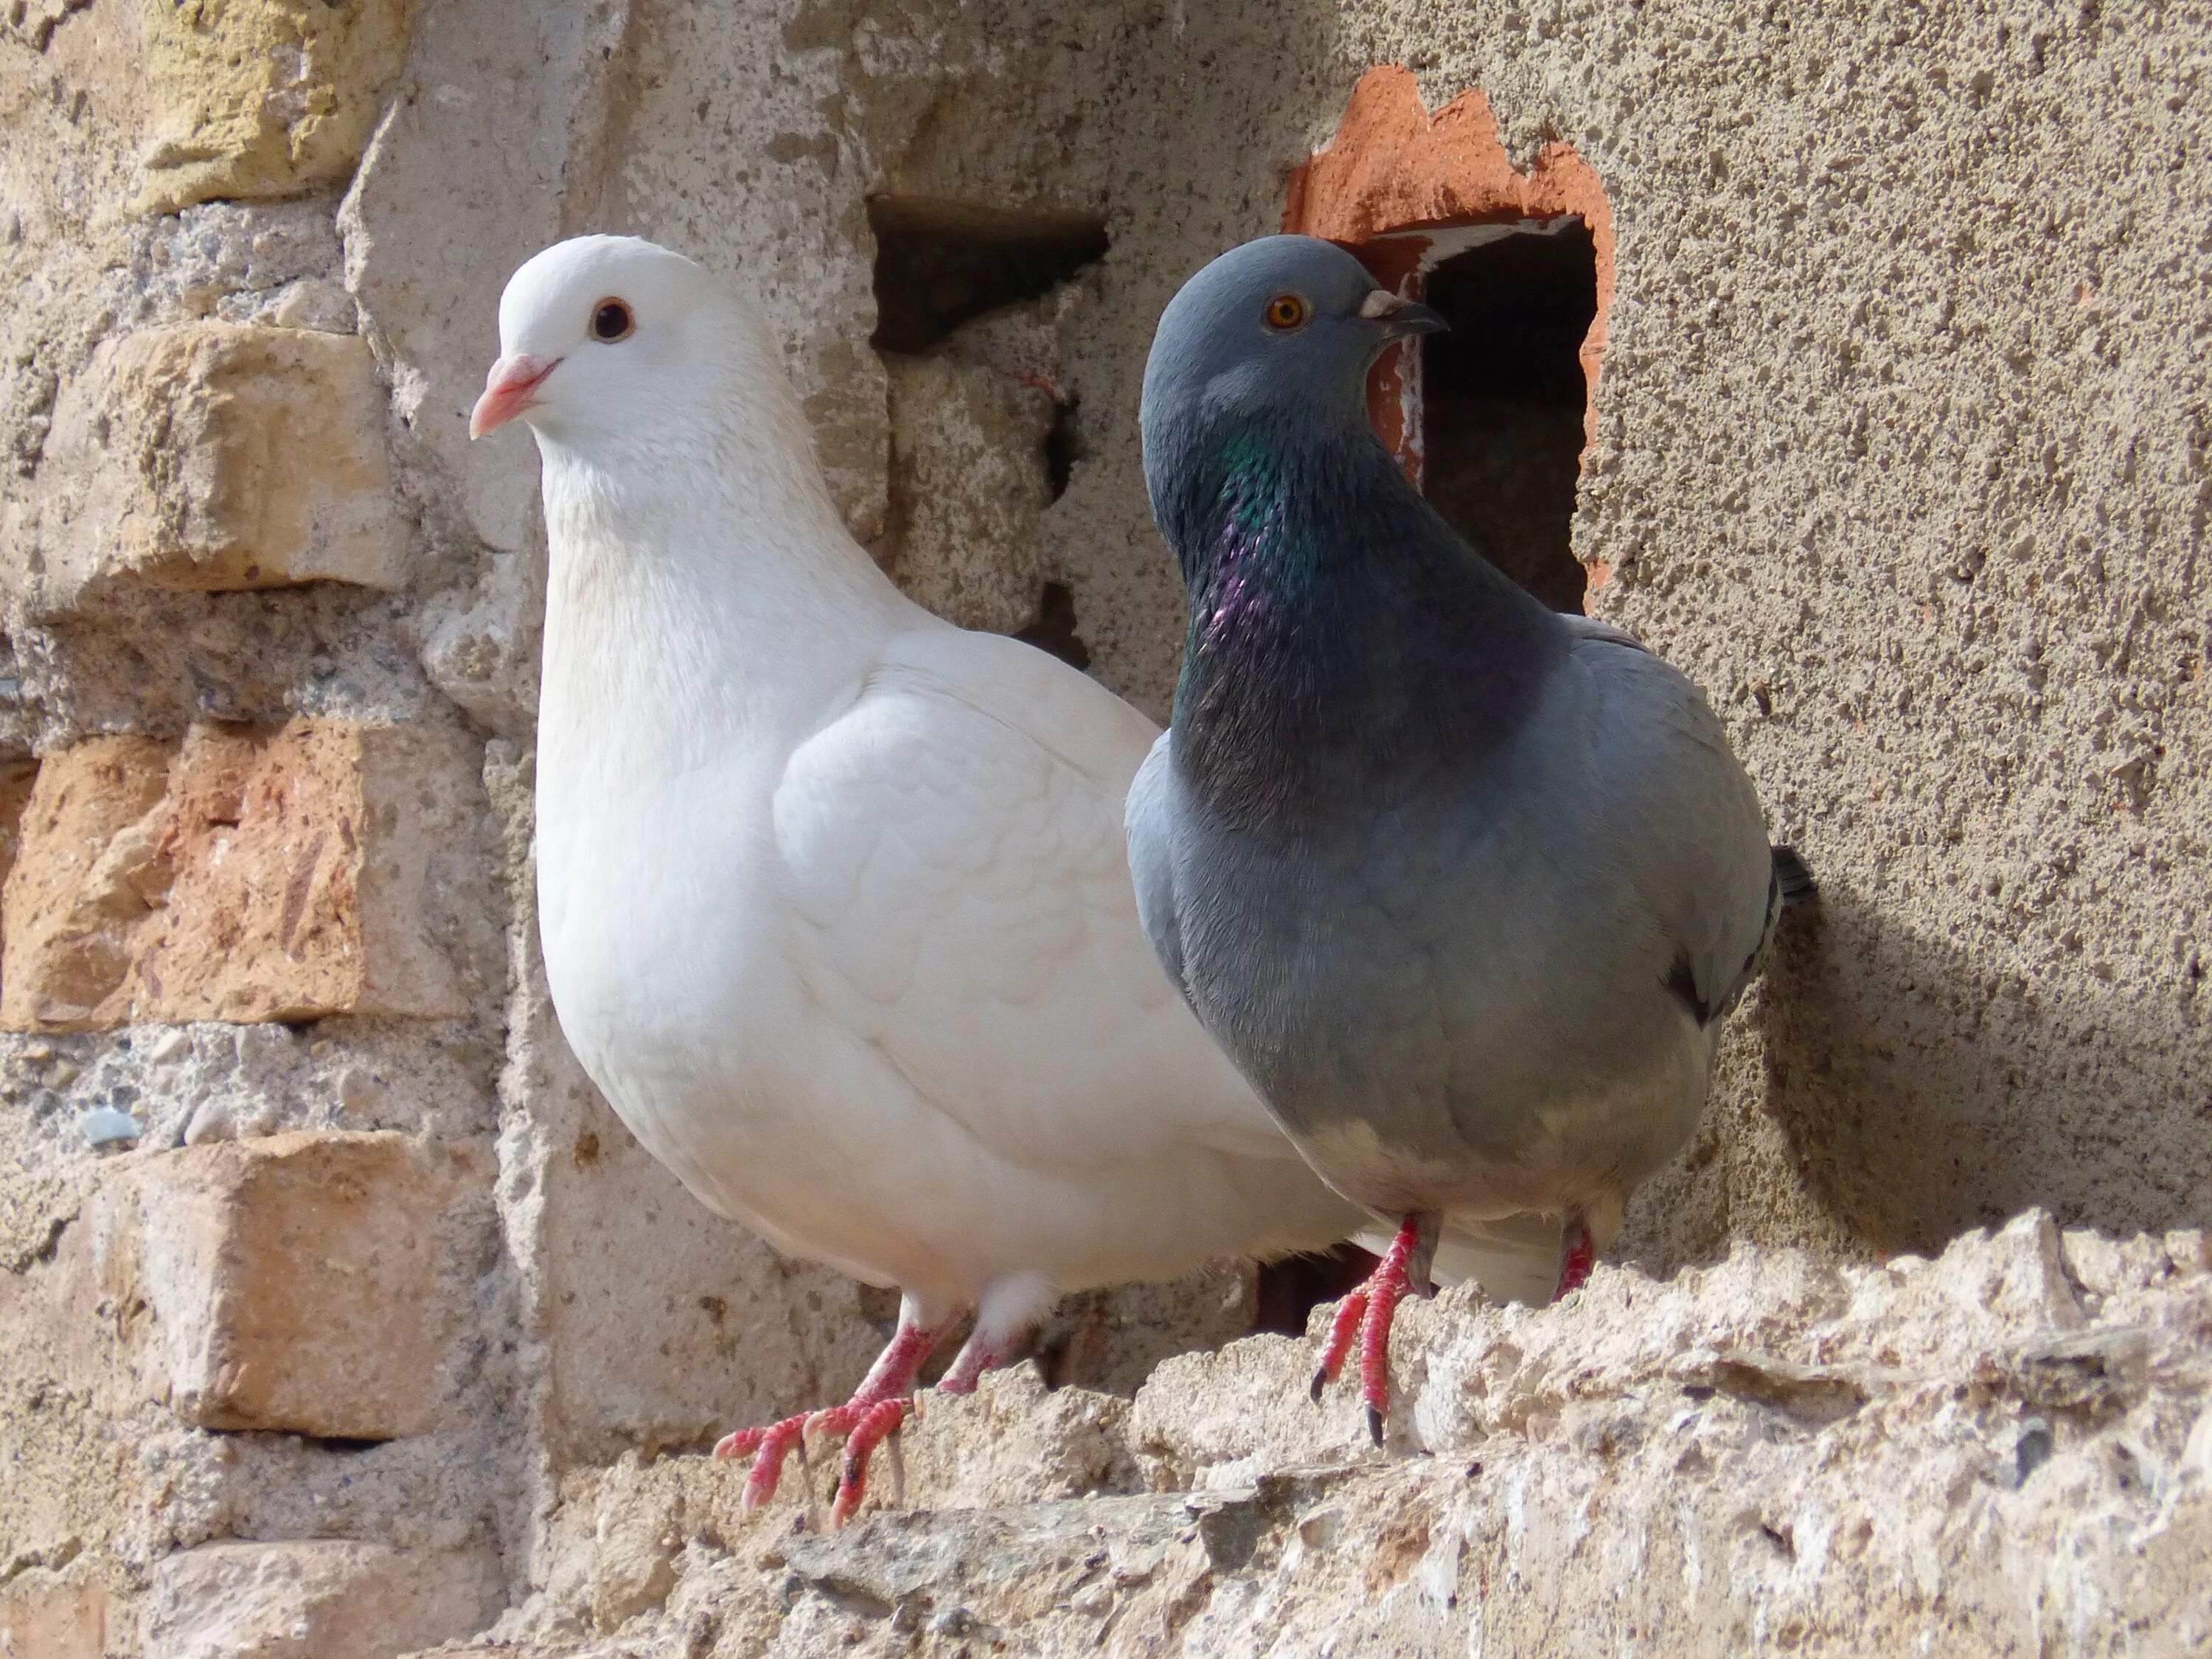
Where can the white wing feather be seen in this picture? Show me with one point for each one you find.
(954, 851)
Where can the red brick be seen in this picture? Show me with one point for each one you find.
(1391, 171)
(248, 873)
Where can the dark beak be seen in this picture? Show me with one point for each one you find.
(1400, 317)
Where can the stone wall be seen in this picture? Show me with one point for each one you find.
(339, 1317)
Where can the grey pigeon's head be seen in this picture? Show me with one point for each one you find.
(1284, 327)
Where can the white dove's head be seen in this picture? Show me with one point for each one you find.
(614, 341)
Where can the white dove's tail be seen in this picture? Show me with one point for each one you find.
(1515, 1260)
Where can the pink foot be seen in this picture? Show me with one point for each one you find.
(879, 1423)
(1577, 1256)
(1008, 1307)
(873, 1413)
(1366, 1313)
(767, 1447)
(968, 1367)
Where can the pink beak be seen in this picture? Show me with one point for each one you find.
(507, 392)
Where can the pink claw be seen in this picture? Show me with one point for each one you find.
(873, 1413)
(1367, 1312)
(768, 1447)
(1341, 1330)
(1375, 1338)
(878, 1424)
(967, 1370)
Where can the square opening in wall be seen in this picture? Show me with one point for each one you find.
(940, 263)
(1503, 396)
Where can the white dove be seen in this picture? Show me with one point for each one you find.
(834, 895)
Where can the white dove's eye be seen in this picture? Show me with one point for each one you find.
(612, 321)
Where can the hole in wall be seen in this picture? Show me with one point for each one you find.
(1060, 449)
(1053, 629)
(940, 263)
(1294, 1286)
(1523, 255)
(964, 317)
(343, 1445)
(1503, 398)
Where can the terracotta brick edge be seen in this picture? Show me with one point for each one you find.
(1392, 170)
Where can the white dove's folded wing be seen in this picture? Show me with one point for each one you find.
(1151, 819)
(1066, 713)
(952, 847)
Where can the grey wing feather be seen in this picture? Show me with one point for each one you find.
(1701, 853)
(1589, 628)
(1150, 820)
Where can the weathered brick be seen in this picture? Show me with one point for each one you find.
(70, 911)
(254, 99)
(326, 1599)
(52, 1620)
(245, 873)
(219, 456)
(17, 778)
(313, 1282)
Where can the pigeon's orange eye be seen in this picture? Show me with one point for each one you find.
(1285, 312)
(612, 321)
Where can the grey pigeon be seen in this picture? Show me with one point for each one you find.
(1464, 885)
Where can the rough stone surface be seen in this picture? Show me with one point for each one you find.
(52, 1620)
(253, 98)
(1771, 1453)
(1899, 449)
(969, 489)
(313, 1601)
(309, 1283)
(217, 455)
(243, 875)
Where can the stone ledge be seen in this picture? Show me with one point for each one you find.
(1772, 1453)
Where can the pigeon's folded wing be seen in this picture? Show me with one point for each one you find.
(953, 851)
(1696, 848)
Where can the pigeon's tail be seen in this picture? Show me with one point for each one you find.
(1792, 877)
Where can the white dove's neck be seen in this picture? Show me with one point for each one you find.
(697, 605)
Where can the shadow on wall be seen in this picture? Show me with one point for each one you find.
(1904, 1079)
